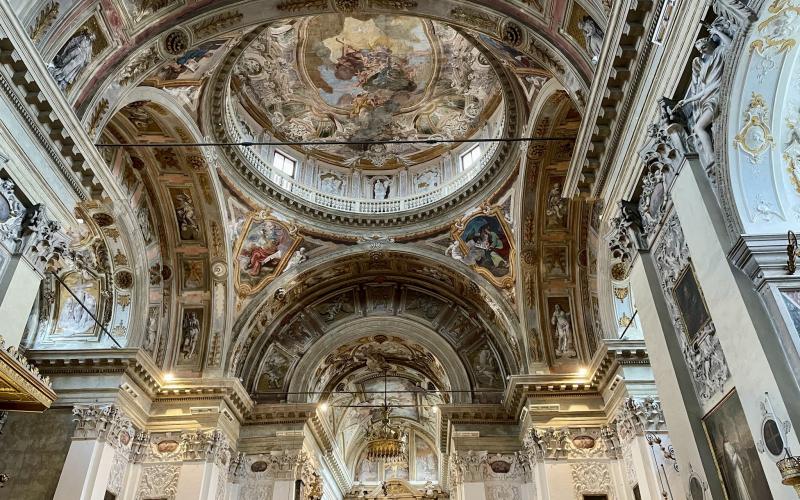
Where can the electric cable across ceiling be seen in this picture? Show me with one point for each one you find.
(329, 143)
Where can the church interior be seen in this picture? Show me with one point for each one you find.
(399, 249)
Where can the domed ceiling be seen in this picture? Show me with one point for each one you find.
(365, 79)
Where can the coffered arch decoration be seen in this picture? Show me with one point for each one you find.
(174, 194)
(313, 304)
(557, 247)
(758, 156)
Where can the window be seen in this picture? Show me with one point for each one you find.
(283, 163)
(471, 158)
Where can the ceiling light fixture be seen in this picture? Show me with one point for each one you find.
(386, 441)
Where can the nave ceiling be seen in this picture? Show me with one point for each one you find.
(235, 274)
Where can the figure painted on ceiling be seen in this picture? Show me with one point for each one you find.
(186, 216)
(563, 331)
(77, 318)
(72, 59)
(265, 251)
(191, 333)
(381, 189)
(487, 245)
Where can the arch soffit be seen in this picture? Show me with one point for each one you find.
(757, 140)
(535, 36)
(455, 371)
(206, 194)
(252, 335)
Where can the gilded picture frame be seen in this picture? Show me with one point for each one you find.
(262, 251)
(487, 245)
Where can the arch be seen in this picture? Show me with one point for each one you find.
(412, 331)
(529, 32)
(252, 332)
(152, 176)
(758, 154)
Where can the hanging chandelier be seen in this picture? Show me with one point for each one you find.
(386, 441)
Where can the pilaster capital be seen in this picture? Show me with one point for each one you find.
(566, 443)
(106, 422)
(634, 417)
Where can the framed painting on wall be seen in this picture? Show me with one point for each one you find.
(735, 453)
(691, 304)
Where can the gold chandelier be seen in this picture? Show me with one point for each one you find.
(385, 441)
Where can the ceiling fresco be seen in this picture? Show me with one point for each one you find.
(339, 78)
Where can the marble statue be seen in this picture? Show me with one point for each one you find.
(297, 258)
(593, 37)
(191, 333)
(564, 345)
(71, 59)
(454, 251)
(701, 104)
(381, 189)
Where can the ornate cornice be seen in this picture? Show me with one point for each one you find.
(139, 367)
(34, 95)
(619, 73)
(22, 386)
(600, 375)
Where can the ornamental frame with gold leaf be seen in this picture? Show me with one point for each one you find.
(458, 230)
(245, 289)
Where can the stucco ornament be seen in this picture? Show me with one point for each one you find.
(591, 478)
(701, 350)
(755, 136)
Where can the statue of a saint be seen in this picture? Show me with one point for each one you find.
(191, 333)
(72, 58)
(701, 104)
(560, 320)
(593, 36)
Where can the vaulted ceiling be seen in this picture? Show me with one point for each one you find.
(464, 281)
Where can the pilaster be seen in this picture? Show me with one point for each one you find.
(745, 332)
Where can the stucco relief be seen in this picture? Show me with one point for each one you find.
(159, 481)
(694, 328)
(760, 181)
(591, 478)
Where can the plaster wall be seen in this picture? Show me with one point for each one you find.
(33, 459)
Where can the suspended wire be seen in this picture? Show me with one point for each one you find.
(330, 143)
